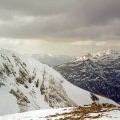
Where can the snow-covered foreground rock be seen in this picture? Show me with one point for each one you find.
(36, 115)
(26, 84)
(91, 112)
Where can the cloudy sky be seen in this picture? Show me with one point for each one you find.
(70, 27)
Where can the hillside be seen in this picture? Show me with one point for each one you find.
(98, 73)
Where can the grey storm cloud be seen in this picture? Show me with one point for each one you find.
(75, 19)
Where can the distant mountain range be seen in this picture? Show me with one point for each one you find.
(98, 73)
(52, 60)
(27, 84)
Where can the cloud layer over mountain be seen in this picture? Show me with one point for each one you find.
(72, 21)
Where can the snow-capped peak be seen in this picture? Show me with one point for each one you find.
(93, 56)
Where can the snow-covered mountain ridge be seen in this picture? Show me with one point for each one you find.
(94, 56)
(26, 84)
(98, 73)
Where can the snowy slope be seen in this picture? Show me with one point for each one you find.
(35, 115)
(111, 115)
(67, 114)
(26, 84)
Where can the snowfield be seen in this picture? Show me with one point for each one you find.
(62, 113)
(35, 115)
(112, 115)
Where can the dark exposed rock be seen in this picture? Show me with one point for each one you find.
(98, 74)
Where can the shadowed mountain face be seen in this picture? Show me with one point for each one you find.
(97, 73)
